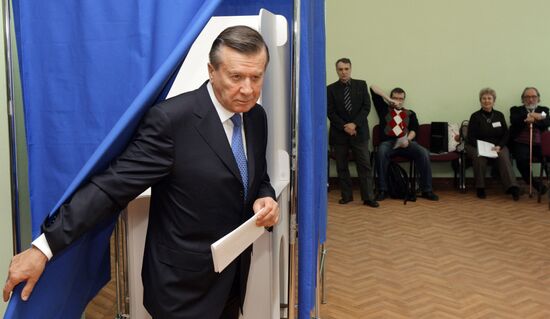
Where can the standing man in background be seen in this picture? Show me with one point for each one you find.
(520, 119)
(348, 106)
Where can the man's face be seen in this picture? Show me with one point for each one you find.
(344, 71)
(530, 98)
(399, 98)
(238, 81)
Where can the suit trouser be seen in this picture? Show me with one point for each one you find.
(521, 154)
(504, 166)
(231, 309)
(364, 168)
(232, 304)
(414, 152)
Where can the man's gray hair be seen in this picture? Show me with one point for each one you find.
(240, 38)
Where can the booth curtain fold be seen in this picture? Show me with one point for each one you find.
(89, 71)
(312, 150)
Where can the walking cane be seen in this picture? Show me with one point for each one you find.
(530, 160)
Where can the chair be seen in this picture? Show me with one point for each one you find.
(376, 140)
(545, 154)
(423, 138)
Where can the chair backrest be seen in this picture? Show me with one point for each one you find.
(423, 135)
(376, 136)
(545, 143)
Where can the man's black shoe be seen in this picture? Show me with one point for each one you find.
(514, 190)
(381, 196)
(429, 196)
(542, 189)
(480, 192)
(371, 203)
(344, 201)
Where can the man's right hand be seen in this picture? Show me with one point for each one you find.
(395, 103)
(27, 266)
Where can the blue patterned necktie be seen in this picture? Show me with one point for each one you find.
(238, 150)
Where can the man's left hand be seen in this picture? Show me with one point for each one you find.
(269, 216)
(533, 117)
(350, 128)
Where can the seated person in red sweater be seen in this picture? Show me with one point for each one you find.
(398, 128)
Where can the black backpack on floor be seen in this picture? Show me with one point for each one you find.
(398, 183)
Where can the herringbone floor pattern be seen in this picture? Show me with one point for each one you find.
(460, 257)
(104, 306)
(457, 258)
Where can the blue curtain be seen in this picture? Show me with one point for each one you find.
(312, 150)
(89, 71)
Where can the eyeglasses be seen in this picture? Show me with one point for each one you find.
(530, 96)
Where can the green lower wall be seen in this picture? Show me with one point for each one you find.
(443, 52)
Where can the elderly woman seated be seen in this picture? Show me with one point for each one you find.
(489, 125)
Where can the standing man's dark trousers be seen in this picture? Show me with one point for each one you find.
(364, 168)
(520, 152)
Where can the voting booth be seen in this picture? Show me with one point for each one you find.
(268, 280)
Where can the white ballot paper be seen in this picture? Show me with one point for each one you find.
(227, 248)
(400, 141)
(486, 149)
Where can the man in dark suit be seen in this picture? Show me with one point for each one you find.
(348, 105)
(208, 175)
(520, 119)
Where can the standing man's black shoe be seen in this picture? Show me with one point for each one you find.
(381, 196)
(344, 201)
(371, 203)
(542, 189)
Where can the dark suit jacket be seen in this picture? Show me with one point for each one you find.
(182, 151)
(518, 115)
(338, 115)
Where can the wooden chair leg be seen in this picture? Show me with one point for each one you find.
(543, 170)
(412, 170)
(374, 170)
(539, 195)
(462, 167)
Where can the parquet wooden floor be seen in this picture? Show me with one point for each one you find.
(104, 306)
(461, 257)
